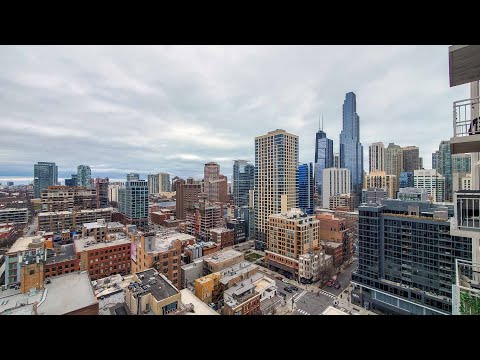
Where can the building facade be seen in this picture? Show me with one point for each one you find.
(101, 187)
(45, 174)
(305, 188)
(411, 158)
(14, 215)
(380, 180)
(133, 203)
(394, 160)
(432, 181)
(444, 167)
(412, 194)
(336, 181)
(186, 198)
(406, 179)
(376, 157)
(243, 181)
(323, 158)
(276, 160)
(351, 150)
(84, 176)
(406, 258)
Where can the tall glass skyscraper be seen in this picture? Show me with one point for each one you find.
(84, 175)
(323, 158)
(305, 188)
(351, 150)
(444, 167)
(45, 174)
(243, 181)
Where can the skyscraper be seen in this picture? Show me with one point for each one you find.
(243, 181)
(45, 174)
(153, 184)
(380, 180)
(186, 197)
(461, 163)
(432, 181)
(335, 182)
(406, 179)
(336, 160)
(133, 203)
(435, 160)
(72, 181)
(323, 157)
(164, 182)
(411, 158)
(101, 187)
(133, 177)
(394, 162)
(444, 167)
(276, 160)
(351, 150)
(305, 188)
(376, 156)
(84, 176)
(214, 183)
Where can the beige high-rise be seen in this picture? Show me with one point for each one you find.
(276, 160)
(394, 162)
(380, 180)
(376, 153)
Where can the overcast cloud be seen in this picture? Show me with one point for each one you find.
(172, 108)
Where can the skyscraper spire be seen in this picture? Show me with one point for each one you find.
(322, 122)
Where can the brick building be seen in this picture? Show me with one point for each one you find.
(223, 236)
(73, 220)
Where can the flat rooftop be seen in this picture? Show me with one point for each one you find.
(235, 270)
(330, 310)
(22, 243)
(221, 230)
(199, 307)
(64, 294)
(331, 244)
(52, 213)
(156, 284)
(14, 209)
(163, 241)
(67, 253)
(67, 293)
(89, 242)
(222, 256)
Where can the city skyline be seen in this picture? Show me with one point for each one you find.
(177, 107)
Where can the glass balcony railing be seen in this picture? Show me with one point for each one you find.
(466, 289)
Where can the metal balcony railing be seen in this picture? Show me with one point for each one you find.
(466, 117)
(466, 289)
(467, 210)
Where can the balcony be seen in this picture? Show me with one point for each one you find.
(466, 289)
(466, 126)
(467, 210)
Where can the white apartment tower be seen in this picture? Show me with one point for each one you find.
(376, 155)
(276, 160)
(432, 181)
(336, 181)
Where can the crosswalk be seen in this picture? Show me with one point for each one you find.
(297, 296)
(303, 312)
(327, 294)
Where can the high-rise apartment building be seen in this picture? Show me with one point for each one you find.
(336, 181)
(351, 150)
(435, 160)
(380, 180)
(406, 179)
(276, 160)
(45, 174)
(215, 184)
(101, 187)
(411, 158)
(72, 181)
(203, 218)
(432, 181)
(323, 158)
(292, 234)
(68, 198)
(164, 182)
(461, 163)
(113, 191)
(376, 157)
(133, 177)
(394, 160)
(243, 181)
(153, 184)
(406, 257)
(186, 198)
(84, 176)
(444, 167)
(336, 160)
(133, 203)
(305, 188)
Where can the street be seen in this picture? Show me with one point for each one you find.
(343, 278)
(310, 303)
(30, 229)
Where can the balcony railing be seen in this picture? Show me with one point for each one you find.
(467, 209)
(466, 289)
(466, 122)
(465, 117)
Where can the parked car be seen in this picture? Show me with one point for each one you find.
(330, 282)
(287, 289)
(294, 288)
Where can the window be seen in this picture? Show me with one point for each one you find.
(32, 272)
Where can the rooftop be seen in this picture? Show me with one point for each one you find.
(331, 244)
(13, 209)
(67, 252)
(154, 283)
(199, 307)
(236, 270)
(89, 242)
(220, 230)
(242, 291)
(330, 310)
(22, 243)
(162, 241)
(51, 213)
(222, 256)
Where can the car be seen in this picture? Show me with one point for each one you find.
(337, 285)
(285, 280)
(329, 283)
(294, 288)
(287, 289)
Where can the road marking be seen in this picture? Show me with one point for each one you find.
(303, 312)
(299, 296)
(327, 294)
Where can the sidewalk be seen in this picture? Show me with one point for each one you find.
(346, 304)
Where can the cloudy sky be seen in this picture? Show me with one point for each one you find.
(172, 108)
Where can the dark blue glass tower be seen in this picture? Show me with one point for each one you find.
(305, 187)
(406, 179)
(351, 150)
(323, 158)
(243, 181)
